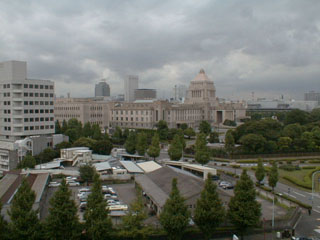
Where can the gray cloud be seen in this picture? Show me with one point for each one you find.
(269, 47)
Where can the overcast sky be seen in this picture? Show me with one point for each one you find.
(267, 47)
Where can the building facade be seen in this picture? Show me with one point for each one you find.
(312, 96)
(130, 84)
(200, 104)
(102, 89)
(145, 94)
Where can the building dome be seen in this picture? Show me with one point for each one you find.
(201, 76)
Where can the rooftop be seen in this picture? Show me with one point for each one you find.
(131, 167)
(149, 166)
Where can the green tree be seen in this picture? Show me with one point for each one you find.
(24, 220)
(4, 229)
(142, 144)
(184, 126)
(174, 217)
(97, 135)
(209, 213)
(130, 144)
(189, 132)
(253, 143)
(175, 149)
(229, 142)
(273, 175)
(84, 142)
(27, 162)
(205, 128)
(214, 137)
(244, 210)
(64, 126)
(297, 116)
(117, 136)
(57, 127)
(292, 130)
(98, 224)
(202, 155)
(132, 223)
(47, 155)
(60, 146)
(87, 172)
(308, 142)
(154, 148)
(162, 129)
(103, 146)
(260, 172)
(72, 134)
(62, 221)
(87, 130)
(284, 144)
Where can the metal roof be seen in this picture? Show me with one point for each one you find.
(131, 167)
(49, 165)
(39, 185)
(149, 166)
(101, 157)
(102, 166)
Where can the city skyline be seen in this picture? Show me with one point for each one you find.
(269, 48)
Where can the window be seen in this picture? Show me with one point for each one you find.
(31, 94)
(36, 119)
(31, 119)
(41, 127)
(51, 87)
(31, 127)
(36, 94)
(41, 86)
(31, 110)
(36, 110)
(51, 110)
(36, 103)
(46, 111)
(26, 120)
(41, 110)
(25, 94)
(41, 94)
(36, 86)
(51, 94)
(41, 119)
(25, 102)
(30, 85)
(8, 85)
(25, 85)
(46, 87)
(31, 103)
(46, 94)
(26, 128)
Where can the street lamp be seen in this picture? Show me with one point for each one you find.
(313, 174)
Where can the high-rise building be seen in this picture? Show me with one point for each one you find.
(102, 89)
(312, 96)
(179, 92)
(26, 105)
(145, 94)
(130, 84)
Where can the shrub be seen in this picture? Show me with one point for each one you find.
(308, 167)
(301, 204)
(289, 167)
(298, 182)
(247, 161)
(314, 161)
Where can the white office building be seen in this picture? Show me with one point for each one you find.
(130, 85)
(26, 105)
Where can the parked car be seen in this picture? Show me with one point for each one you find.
(54, 184)
(83, 206)
(70, 178)
(73, 184)
(227, 186)
(82, 194)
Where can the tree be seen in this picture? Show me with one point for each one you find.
(64, 127)
(154, 148)
(229, 141)
(174, 217)
(47, 155)
(209, 212)
(214, 137)
(184, 126)
(189, 132)
(244, 210)
(273, 175)
(103, 146)
(292, 130)
(58, 129)
(87, 130)
(284, 144)
(60, 146)
(24, 220)
(141, 143)
(84, 142)
(62, 221)
(175, 149)
(205, 128)
(130, 144)
(27, 162)
(117, 136)
(97, 135)
(297, 116)
(4, 230)
(202, 155)
(87, 172)
(308, 141)
(72, 134)
(253, 143)
(98, 224)
(162, 129)
(260, 172)
(132, 223)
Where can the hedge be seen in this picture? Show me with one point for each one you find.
(314, 161)
(308, 167)
(298, 182)
(301, 204)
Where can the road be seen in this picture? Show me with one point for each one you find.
(308, 225)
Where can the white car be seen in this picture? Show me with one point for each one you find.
(73, 184)
(54, 184)
(70, 178)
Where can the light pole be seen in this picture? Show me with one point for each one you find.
(273, 213)
(313, 174)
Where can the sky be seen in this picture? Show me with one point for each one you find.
(266, 47)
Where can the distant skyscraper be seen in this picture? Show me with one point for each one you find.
(179, 92)
(312, 96)
(130, 84)
(102, 89)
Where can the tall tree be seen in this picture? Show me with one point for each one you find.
(244, 210)
(130, 144)
(87, 172)
(273, 175)
(57, 127)
(117, 136)
(229, 142)
(205, 128)
(189, 132)
(162, 129)
(27, 162)
(175, 149)
(175, 215)
(103, 146)
(64, 126)
(141, 143)
(214, 137)
(260, 172)
(97, 135)
(87, 130)
(62, 221)
(98, 223)
(209, 213)
(202, 151)
(184, 126)
(24, 220)
(253, 143)
(4, 230)
(154, 148)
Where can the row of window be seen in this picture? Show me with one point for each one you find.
(6, 111)
(31, 94)
(38, 103)
(125, 112)
(131, 124)
(6, 94)
(67, 115)
(6, 103)
(131, 119)
(6, 85)
(36, 86)
(7, 119)
(31, 111)
(96, 108)
(31, 128)
(67, 108)
(7, 128)
(96, 115)
(38, 119)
